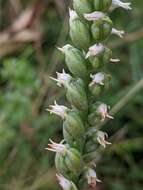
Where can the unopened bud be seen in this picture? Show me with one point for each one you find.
(79, 32)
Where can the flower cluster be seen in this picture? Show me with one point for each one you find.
(86, 60)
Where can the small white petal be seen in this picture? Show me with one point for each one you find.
(115, 60)
(94, 50)
(58, 110)
(55, 147)
(118, 3)
(97, 15)
(119, 33)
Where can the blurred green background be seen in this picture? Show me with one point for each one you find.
(30, 31)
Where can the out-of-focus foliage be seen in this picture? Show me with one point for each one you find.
(26, 91)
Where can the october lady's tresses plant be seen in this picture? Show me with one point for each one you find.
(90, 26)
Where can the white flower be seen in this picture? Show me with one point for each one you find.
(101, 138)
(62, 78)
(119, 33)
(94, 50)
(103, 111)
(97, 79)
(55, 147)
(91, 177)
(97, 15)
(118, 3)
(73, 15)
(65, 183)
(58, 110)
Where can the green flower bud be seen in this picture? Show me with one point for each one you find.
(98, 112)
(76, 95)
(75, 61)
(100, 81)
(79, 32)
(101, 29)
(73, 130)
(102, 5)
(82, 6)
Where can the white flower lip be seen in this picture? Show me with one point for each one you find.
(94, 16)
(103, 111)
(118, 3)
(94, 50)
(58, 110)
(119, 33)
(98, 78)
(101, 138)
(55, 147)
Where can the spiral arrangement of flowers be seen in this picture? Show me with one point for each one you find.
(86, 59)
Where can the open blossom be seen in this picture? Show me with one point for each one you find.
(94, 50)
(62, 78)
(58, 110)
(101, 138)
(119, 33)
(97, 79)
(91, 177)
(103, 111)
(118, 3)
(96, 15)
(65, 183)
(55, 147)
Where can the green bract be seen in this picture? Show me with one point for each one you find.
(76, 62)
(82, 6)
(79, 32)
(102, 5)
